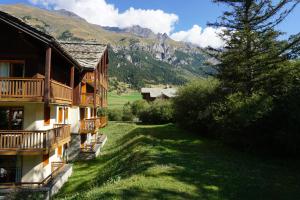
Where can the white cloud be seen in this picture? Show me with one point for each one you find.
(101, 13)
(203, 38)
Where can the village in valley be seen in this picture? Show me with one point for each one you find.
(101, 99)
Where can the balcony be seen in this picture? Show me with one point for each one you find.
(60, 93)
(32, 90)
(21, 89)
(14, 142)
(103, 121)
(90, 125)
(87, 99)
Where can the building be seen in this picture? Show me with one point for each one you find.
(49, 95)
(151, 94)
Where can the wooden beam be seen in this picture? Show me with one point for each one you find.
(47, 75)
(72, 74)
(95, 88)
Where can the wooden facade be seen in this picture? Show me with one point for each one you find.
(56, 77)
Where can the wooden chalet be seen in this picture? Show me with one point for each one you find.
(49, 95)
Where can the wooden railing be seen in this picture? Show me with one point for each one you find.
(103, 121)
(21, 88)
(88, 99)
(14, 140)
(98, 100)
(61, 92)
(90, 125)
(32, 89)
(88, 148)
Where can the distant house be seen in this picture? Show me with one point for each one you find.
(151, 94)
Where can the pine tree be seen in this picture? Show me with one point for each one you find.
(253, 51)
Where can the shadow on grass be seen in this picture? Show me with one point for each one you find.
(214, 170)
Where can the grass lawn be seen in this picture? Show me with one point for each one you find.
(163, 162)
(117, 101)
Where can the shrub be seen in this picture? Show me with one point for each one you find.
(115, 115)
(194, 105)
(138, 106)
(127, 113)
(238, 111)
(239, 118)
(101, 112)
(159, 112)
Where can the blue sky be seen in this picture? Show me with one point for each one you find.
(199, 12)
(188, 16)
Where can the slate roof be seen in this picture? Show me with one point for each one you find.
(87, 54)
(158, 92)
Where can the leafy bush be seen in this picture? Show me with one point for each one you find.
(115, 115)
(138, 106)
(267, 119)
(239, 111)
(127, 113)
(101, 112)
(194, 105)
(159, 112)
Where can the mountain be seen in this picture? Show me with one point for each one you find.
(135, 30)
(137, 55)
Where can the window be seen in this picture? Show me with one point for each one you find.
(11, 118)
(59, 151)
(12, 68)
(46, 115)
(60, 115)
(66, 114)
(4, 69)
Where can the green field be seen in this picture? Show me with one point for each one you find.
(117, 101)
(164, 162)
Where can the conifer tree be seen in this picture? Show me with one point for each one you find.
(253, 51)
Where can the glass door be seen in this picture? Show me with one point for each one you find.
(4, 69)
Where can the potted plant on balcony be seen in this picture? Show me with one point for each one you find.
(102, 113)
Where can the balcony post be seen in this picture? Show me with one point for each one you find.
(95, 89)
(47, 75)
(72, 72)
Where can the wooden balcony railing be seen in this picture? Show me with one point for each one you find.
(32, 89)
(20, 140)
(22, 88)
(103, 121)
(60, 92)
(88, 148)
(88, 99)
(98, 100)
(90, 125)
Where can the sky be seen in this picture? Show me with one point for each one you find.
(182, 20)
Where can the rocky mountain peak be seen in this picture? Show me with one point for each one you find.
(140, 31)
(67, 13)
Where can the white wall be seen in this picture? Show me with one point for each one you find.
(33, 169)
(34, 116)
(73, 119)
